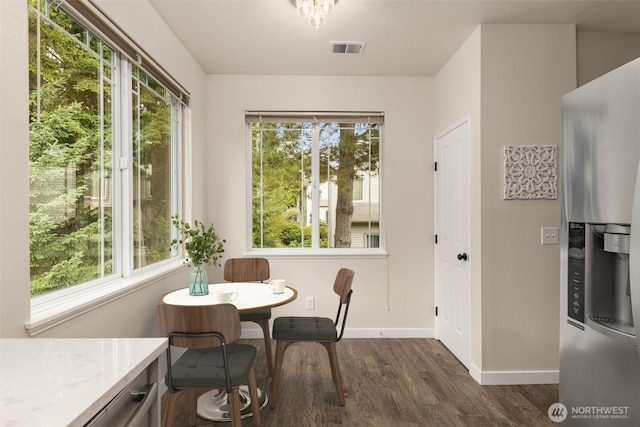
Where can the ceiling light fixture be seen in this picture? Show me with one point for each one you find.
(315, 11)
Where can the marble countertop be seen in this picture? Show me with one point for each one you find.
(64, 382)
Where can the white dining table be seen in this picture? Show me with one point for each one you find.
(252, 296)
(213, 405)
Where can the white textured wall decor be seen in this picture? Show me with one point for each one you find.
(530, 172)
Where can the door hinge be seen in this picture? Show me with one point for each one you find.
(436, 239)
(435, 166)
(436, 310)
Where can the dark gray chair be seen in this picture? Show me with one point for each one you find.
(253, 270)
(212, 360)
(290, 330)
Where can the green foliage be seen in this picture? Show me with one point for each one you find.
(202, 243)
(291, 235)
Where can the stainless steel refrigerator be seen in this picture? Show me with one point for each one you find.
(600, 252)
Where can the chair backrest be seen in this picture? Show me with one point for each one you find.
(246, 270)
(342, 284)
(342, 287)
(198, 319)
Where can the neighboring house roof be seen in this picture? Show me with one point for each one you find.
(361, 212)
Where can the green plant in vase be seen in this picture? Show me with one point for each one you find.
(203, 246)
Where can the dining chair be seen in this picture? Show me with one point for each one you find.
(252, 270)
(323, 330)
(212, 359)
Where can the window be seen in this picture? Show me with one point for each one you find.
(372, 241)
(358, 183)
(314, 179)
(104, 146)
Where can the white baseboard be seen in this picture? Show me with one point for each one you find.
(389, 333)
(514, 377)
(255, 333)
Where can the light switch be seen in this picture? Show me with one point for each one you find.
(549, 235)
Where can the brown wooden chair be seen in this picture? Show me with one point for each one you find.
(212, 360)
(253, 270)
(290, 330)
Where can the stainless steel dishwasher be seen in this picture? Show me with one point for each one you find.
(131, 407)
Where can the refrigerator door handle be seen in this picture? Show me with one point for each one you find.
(634, 257)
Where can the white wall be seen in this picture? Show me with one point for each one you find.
(14, 171)
(393, 295)
(133, 315)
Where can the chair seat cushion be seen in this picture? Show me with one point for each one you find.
(304, 329)
(204, 367)
(255, 315)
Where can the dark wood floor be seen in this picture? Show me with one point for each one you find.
(389, 382)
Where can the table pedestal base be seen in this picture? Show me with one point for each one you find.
(214, 405)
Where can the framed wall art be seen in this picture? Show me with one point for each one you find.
(530, 172)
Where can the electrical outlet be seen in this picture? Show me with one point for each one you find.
(549, 236)
(310, 303)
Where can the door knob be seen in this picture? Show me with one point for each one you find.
(463, 257)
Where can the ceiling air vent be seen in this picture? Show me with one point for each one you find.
(347, 48)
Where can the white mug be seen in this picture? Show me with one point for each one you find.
(278, 285)
(226, 296)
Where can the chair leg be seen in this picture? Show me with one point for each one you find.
(234, 397)
(335, 370)
(264, 324)
(253, 394)
(281, 347)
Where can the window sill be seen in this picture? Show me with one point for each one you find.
(319, 253)
(47, 311)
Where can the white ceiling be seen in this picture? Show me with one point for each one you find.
(403, 37)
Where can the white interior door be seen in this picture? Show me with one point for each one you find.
(452, 228)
